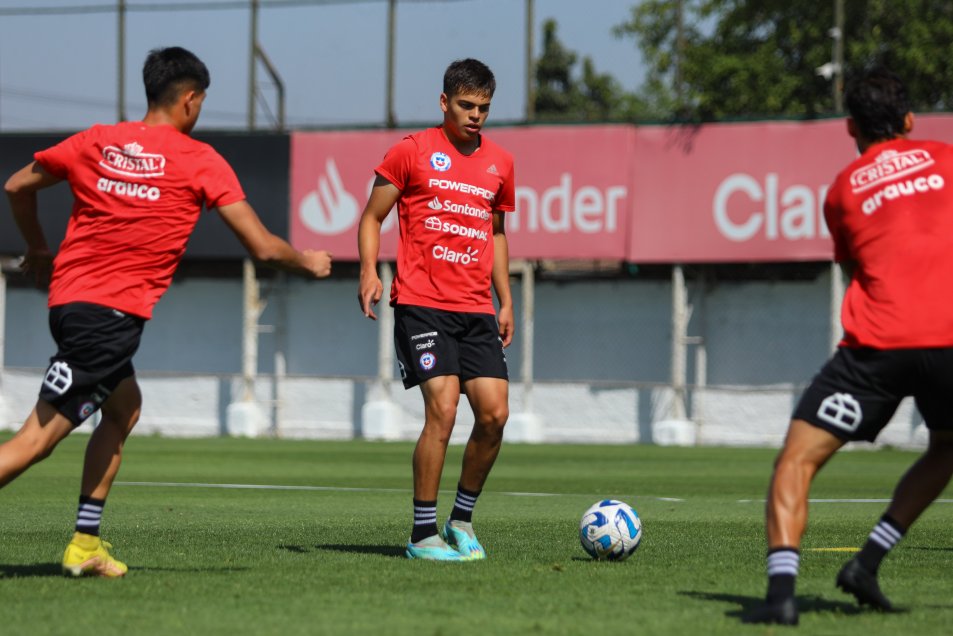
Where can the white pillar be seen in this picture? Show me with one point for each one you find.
(526, 425)
(245, 417)
(381, 418)
(837, 299)
(677, 429)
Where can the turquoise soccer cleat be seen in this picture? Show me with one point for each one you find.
(459, 535)
(432, 549)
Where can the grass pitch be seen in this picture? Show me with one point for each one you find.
(322, 551)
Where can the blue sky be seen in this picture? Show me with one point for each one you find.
(60, 72)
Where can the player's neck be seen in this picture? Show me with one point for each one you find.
(160, 117)
(465, 147)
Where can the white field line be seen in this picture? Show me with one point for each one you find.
(943, 501)
(177, 484)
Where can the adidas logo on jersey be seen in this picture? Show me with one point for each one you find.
(492, 169)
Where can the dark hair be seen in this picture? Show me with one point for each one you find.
(878, 103)
(468, 76)
(170, 70)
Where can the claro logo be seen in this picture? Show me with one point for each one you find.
(744, 207)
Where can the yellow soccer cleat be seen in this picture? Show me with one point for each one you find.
(88, 555)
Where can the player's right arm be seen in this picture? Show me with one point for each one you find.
(384, 195)
(270, 249)
(21, 189)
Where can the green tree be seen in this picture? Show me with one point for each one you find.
(741, 58)
(593, 96)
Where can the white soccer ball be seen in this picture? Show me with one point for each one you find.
(610, 530)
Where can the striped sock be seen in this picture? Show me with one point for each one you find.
(425, 520)
(463, 506)
(89, 515)
(782, 573)
(885, 535)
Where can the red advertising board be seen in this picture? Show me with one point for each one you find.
(573, 186)
(657, 194)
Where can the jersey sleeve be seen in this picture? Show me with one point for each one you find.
(218, 183)
(398, 163)
(506, 196)
(833, 216)
(58, 159)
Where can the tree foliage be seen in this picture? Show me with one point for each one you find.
(562, 96)
(742, 58)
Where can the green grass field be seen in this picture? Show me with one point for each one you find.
(329, 560)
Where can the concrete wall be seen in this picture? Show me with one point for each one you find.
(602, 360)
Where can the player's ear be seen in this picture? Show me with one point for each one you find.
(444, 102)
(907, 123)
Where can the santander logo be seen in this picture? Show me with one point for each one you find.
(330, 208)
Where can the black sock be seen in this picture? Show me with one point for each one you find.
(463, 506)
(782, 573)
(89, 515)
(425, 520)
(885, 535)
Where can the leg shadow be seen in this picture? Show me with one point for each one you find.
(748, 604)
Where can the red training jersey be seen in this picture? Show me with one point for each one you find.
(445, 213)
(138, 191)
(891, 213)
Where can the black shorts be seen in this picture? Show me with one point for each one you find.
(434, 342)
(95, 345)
(858, 390)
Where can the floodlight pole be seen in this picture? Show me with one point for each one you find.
(391, 38)
(530, 63)
(837, 34)
(252, 58)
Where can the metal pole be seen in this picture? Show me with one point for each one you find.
(838, 35)
(679, 334)
(385, 338)
(529, 315)
(121, 62)
(251, 309)
(530, 63)
(279, 84)
(837, 299)
(391, 38)
(679, 52)
(252, 59)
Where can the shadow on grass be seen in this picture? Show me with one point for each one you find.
(748, 604)
(383, 550)
(36, 569)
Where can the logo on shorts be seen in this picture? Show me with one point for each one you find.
(841, 410)
(427, 361)
(439, 162)
(87, 409)
(59, 377)
(418, 336)
(403, 370)
(425, 345)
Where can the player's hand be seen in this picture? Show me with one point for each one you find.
(369, 293)
(505, 321)
(318, 262)
(40, 264)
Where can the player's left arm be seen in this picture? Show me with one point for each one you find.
(21, 189)
(501, 278)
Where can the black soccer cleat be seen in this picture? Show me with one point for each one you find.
(783, 612)
(857, 580)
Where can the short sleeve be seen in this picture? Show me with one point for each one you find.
(58, 159)
(506, 196)
(219, 185)
(398, 163)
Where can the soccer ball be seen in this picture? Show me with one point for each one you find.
(610, 530)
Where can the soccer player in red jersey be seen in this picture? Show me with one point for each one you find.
(890, 213)
(139, 188)
(452, 187)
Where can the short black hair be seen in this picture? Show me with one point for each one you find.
(168, 71)
(878, 103)
(468, 76)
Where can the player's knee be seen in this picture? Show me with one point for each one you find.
(493, 420)
(443, 412)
